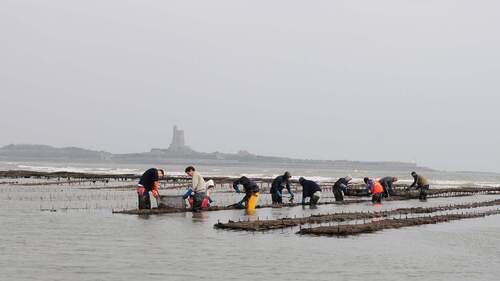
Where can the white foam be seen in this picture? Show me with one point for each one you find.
(100, 170)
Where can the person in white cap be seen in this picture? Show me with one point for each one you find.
(210, 185)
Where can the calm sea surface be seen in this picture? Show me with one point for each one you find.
(82, 240)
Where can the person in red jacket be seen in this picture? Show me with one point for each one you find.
(376, 190)
(149, 183)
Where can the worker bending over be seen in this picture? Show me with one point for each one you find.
(198, 188)
(387, 183)
(149, 183)
(340, 188)
(207, 200)
(310, 189)
(376, 190)
(251, 190)
(421, 183)
(280, 183)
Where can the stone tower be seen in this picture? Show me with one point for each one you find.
(177, 140)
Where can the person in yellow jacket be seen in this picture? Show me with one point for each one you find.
(251, 190)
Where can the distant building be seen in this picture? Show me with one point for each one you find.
(178, 142)
(177, 146)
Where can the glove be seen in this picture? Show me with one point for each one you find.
(155, 194)
(187, 194)
(291, 198)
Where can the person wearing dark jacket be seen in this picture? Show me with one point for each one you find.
(149, 183)
(310, 189)
(340, 188)
(277, 187)
(420, 182)
(387, 183)
(251, 190)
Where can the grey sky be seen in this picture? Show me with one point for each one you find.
(358, 80)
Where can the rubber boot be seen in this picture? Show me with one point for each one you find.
(251, 203)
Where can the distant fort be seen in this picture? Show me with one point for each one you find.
(177, 146)
(177, 140)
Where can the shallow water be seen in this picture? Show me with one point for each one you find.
(91, 243)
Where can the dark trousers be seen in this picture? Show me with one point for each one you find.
(377, 197)
(423, 192)
(277, 199)
(387, 190)
(338, 194)
(144, 201)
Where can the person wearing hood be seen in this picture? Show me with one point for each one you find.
(310, 190)
(376, 190)
(198, 188)
(149, 183)
(251, 190)
(210, 186)
(280, 183)
(387, 183)
(340, 188)
(421, 183)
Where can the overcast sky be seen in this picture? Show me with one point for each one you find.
(357, 80)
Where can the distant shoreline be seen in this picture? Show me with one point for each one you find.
(45, 153)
